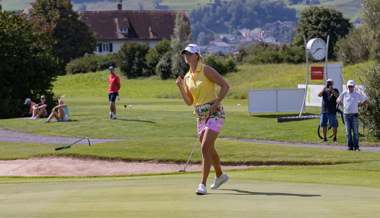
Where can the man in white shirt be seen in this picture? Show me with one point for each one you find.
(352, 100)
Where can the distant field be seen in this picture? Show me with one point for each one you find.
(111, 4)
(350, 8)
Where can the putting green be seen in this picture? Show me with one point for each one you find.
(173, 196)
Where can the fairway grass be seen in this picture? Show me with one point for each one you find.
(173, 196)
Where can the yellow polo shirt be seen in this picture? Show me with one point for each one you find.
(201, 88)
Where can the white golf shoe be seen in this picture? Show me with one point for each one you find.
(113, 116)
(219, 181)
(201, 190)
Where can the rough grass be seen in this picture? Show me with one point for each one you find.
(279, 76)
(177, 150)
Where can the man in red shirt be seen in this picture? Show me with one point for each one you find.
(113, 91)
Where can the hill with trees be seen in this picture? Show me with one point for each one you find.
(350, 8)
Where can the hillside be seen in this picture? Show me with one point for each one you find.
(111, 4)
(350, 8)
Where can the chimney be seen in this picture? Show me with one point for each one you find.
(120, 5)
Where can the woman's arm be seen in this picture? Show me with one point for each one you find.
(186, 95)
(42, 106)
(215, 77)
(60, 106)
(118, 83)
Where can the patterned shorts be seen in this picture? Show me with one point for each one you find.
(205, 120)
(214, 124)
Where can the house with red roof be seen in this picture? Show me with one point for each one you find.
(114, 28)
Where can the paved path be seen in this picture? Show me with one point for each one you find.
(13, 136)
(305, 145)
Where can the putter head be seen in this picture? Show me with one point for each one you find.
(182, 171)
(61, 148)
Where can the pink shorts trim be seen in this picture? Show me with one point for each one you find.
(215, 124)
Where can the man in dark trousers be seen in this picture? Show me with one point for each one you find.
(352, 99)
(328, 112)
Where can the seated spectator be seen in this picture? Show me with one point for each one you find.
(30, 104)
(59, 112)
(39, 110)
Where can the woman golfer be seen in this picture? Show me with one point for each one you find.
(198, 88)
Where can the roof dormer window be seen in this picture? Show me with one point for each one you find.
(124, 29)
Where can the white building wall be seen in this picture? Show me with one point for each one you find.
(117, 44)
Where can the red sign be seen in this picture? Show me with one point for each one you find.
(317, 73)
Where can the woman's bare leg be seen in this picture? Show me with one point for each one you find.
(208, 154)
(60, 114)
(34, 112)
(216, 162)
(52, 114)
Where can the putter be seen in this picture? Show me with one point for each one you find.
(191, 154)
(76, 142)
(188, 159)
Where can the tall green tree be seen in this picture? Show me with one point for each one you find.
(320, 22)
(371, 80)
(70, 37)
(363, 43)
(154, 55)
(27, 67)
(181, 37)
(355, 47)
(132, 59)
(371, 18)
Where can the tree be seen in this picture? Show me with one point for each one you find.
(230, 16)
(163, 68)
(204, 38)
(154, 55)
(355, 47)
(27, 66)
(181, 37)
(222, 64)
(319, 22)
(371, 81)
(132, 58)
(70, 37)
(371, 18)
